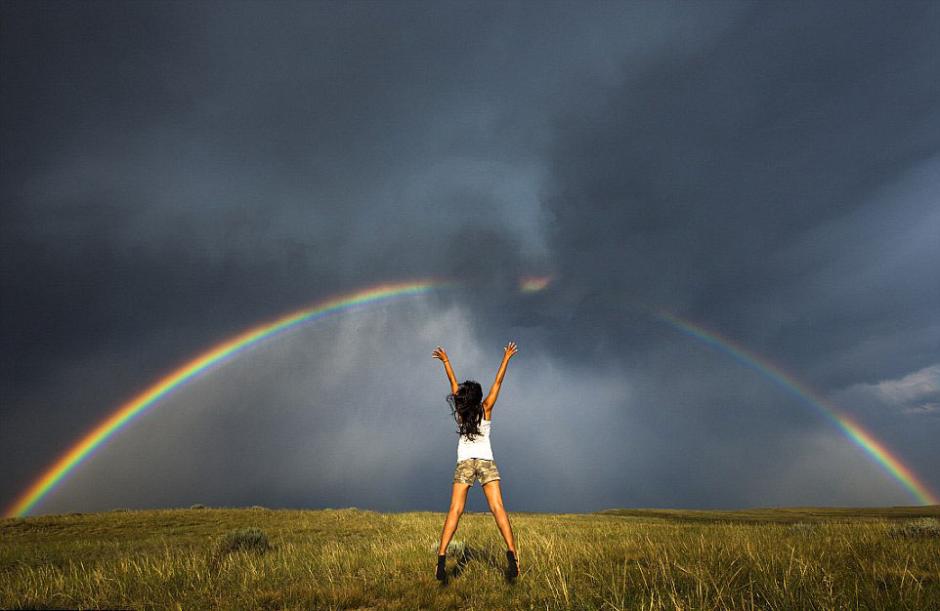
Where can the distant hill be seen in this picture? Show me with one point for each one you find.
(785, 515)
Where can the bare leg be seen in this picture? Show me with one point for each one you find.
(495, 498)
(457, 502)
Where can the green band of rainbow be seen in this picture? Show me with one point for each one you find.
(890, 463)
(214, 356)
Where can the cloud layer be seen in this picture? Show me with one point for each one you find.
(175, 173)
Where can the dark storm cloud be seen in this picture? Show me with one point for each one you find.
(700, 169)
(173, 173)
(775, 186)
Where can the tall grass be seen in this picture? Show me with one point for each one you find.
(355, 559)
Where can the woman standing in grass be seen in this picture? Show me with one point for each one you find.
(475, 456)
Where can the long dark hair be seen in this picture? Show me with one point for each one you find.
(467, 403)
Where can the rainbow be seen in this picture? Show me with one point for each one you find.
(228, 349)
(532, 284)
(890, 463)
(215, 356)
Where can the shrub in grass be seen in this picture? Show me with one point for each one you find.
(251, 538)
(258, 507)
(197, 506)
(916, 529)
(802, 529)
(454, 548)
(457, 548)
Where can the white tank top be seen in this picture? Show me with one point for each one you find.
(479, 447)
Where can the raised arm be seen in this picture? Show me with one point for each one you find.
(508, 352)
(440, 354)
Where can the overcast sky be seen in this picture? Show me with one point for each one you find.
(174, 173)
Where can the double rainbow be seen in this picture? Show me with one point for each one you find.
(237, 345)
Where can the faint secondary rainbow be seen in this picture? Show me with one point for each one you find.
(883, 457)
(532, 284)
(212, 357)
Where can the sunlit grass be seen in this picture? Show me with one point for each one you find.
(350, 558)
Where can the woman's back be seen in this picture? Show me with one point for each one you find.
(479, 447)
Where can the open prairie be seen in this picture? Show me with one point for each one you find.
(259, 558)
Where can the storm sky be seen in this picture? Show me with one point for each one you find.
(174, 173)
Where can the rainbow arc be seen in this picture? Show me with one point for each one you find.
(875, 450)
(210, 359)
(229, 349)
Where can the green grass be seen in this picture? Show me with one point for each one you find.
(355, 559)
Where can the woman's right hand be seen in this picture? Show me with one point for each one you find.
(440, 354)
(509, 350)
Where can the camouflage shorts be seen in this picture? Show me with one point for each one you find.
(472, 468)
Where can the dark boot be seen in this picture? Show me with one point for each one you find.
(513, 569)
(441, 559)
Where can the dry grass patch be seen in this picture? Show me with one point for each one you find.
(359, 559)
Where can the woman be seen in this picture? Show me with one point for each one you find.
(475, 456)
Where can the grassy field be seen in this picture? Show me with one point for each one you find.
(357, 559)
